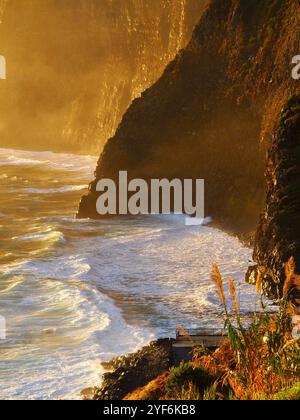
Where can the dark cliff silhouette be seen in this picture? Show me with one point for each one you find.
(214, 111)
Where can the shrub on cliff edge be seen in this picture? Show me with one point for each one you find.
(266, 357)
(186, 379)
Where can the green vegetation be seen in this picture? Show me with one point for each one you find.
(292, 394)
(265, 357)
(187, 379)
(258, 363)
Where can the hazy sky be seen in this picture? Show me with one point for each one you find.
(74, 66)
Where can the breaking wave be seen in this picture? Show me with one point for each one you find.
(69, 287)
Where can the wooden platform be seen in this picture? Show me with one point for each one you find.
(185, 343)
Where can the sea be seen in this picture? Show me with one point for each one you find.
(75, 293)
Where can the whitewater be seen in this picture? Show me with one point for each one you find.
(76, 293)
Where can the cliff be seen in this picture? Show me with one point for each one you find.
(278, 235)
(75, 66)
(214, 111)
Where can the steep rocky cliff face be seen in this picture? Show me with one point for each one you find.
(75, 66)
(213, 113)
(278, 235)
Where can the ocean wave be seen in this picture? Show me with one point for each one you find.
(61, 268)
(65, 189)
(48, 235)
(63, 319)
(169, 264)
(78, 326)
(18, 161)
(48, 160)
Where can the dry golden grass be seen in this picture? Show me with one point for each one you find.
(217, 279)
(291, 278)
(234, 297)
(261, 362)
(185, 333)
(258, 362)
(155, 390)
(259, 283)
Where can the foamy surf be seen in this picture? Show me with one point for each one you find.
(49, 236)
(54, 356)
(68, 188)
(78, 292)
(48, 160)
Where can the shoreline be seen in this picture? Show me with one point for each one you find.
(127, 373)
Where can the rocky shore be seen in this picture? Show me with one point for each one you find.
(127, 373)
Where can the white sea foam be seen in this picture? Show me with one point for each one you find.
(155, 265)
(83, 320)
(48, 235)
(114, 284)
(62, 268)
(67, 188)
(158, 260)
(48, 160)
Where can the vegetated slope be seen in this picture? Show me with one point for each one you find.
(75, 66)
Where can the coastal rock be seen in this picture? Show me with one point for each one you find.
(212, 112)
(134, 371)
(278, 235)
(213, 115)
